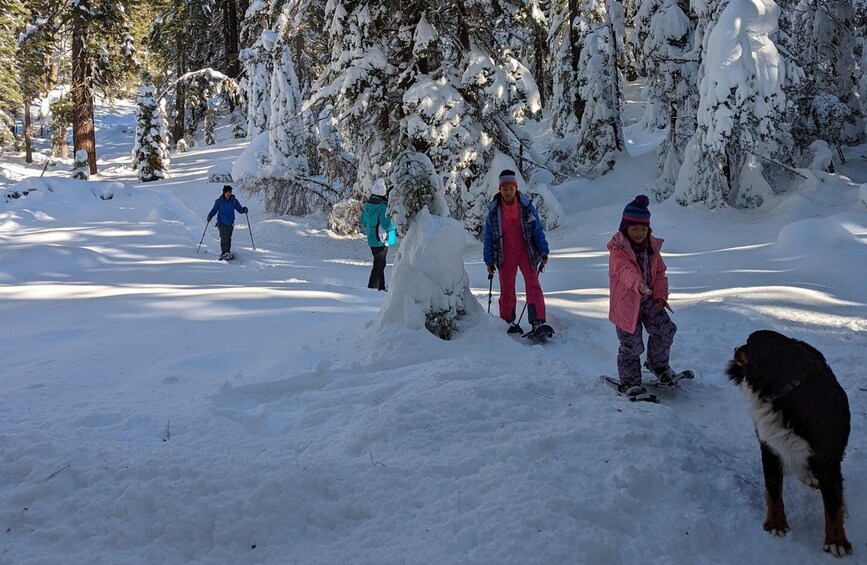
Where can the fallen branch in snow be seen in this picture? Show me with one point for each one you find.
(375, 463)
(727, 468)
(790, 169)
(52, 475)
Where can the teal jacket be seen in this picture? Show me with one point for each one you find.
(374, 218)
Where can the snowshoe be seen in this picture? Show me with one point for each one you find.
(540, 333)
(514, 329)
(633, 392)
(227, 256)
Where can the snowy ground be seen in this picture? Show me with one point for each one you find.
(159, 406)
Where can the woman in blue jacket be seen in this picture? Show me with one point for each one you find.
(224, 208)
(374, 218)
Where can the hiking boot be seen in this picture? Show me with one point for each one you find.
(665, 376)
(633, 392)
(514, 329)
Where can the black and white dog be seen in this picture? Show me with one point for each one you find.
(801, 416)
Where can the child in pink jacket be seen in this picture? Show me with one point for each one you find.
(639, 297)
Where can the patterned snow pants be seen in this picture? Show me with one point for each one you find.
(660, 336)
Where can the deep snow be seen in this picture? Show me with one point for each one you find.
(159, 406)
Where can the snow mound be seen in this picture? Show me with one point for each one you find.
(221, 172)
(815, 235)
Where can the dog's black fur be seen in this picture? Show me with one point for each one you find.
(802, 418)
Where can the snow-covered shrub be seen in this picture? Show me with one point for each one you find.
(430, 287)
(819, 157)
(539, 191)
(343, 218)
(80, 166)
(181, 146)
(416, 186)
(221, 173)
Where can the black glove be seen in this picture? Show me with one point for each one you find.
(543, 262)
(209, 219)
(491, 270)
(246, 209)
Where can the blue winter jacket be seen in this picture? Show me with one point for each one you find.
(374, 218)
(225, 210)
(531, 226)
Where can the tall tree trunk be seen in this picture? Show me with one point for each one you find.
(231, 35)
(28, 146)
(180, 99)
(82, 98)
(540, 43)
(616, 94)
(575, 50)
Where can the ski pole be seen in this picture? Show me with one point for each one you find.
(203, 236)
(490, 290)
(249, 227)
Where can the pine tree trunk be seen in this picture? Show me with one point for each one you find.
(231, 36)
(82, 98)
(540, 41)
(180, 101)
(616, 94)
(28, 147)
(575, 49)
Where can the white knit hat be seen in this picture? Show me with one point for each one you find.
(378, 187)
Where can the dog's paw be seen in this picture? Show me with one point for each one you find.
(776, 525)
(838, 548)
(810, 480)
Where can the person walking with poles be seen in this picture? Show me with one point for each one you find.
(515, 239)
(224, 209)
(374, 218)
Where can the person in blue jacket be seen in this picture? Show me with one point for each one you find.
(374, 219)
(224, 208)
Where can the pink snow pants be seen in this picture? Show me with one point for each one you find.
(516, 256)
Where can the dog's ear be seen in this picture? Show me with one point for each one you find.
(741, 357)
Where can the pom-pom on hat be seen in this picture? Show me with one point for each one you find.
(378, 188)
(508, 178)
(636, 213)
(227, 188)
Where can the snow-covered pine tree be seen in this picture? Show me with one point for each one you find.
(565, 40)
(430, 287)
(600, 135)
(10, 94)
(80, 166)
(289, 188)
(860, 21)
(672, 87)
(827, 95)
(256, 61)
(741, 113)
(433, 57)
(150, 155)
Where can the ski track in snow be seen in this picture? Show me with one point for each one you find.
(158, 406)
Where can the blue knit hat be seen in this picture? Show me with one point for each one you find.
(636, 213)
